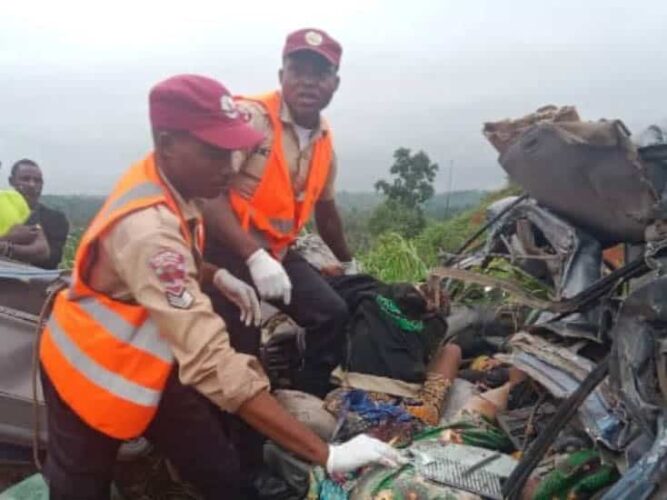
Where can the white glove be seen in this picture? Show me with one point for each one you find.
(351, 267)
(269, 276)
(241, 294)
(359, 451)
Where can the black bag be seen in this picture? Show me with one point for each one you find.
(397, 346)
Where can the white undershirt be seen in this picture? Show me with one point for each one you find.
(304, 135)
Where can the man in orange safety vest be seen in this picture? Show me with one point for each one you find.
(133, 346)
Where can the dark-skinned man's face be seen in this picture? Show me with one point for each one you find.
(195, 168)
(308, 82)
(28, 181)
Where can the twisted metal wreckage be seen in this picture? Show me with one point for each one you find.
(541, 292)
(597, 346)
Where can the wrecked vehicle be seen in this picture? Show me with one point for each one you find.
(594, 349)
(563, 385)
(547, 294)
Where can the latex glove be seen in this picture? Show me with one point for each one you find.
(269, 276)
(241, 294)
(359, 451)
(351, 267)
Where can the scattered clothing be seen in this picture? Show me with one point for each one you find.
(391, 332)
(380, 415)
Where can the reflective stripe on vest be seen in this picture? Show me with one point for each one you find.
(145, 338)
(136, 193)
(96, 373)
(273, 215)
(105, 357)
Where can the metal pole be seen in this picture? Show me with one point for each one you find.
(449, 187)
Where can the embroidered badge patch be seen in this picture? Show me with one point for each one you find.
(228, 107)
(313, 38)
(169, 267)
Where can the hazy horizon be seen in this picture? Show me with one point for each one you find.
(424, 75)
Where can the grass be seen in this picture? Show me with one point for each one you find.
(70, 248)
(394, 258)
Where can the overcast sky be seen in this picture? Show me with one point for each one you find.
(424, 74)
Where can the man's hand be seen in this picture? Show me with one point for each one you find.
(269, 276)
(22, 234)
(359, 451)
(241, 294)
(265, 414)
(334, 270)
(351, 267)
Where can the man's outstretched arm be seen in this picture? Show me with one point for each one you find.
(224, 229)
(330, 227)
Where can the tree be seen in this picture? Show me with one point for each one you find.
(401, 212)
(413, 184)
(393, 217)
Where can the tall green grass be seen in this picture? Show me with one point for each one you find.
(393, 258)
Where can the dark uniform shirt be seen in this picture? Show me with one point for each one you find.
(55, 227)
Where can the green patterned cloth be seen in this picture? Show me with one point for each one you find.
(579, 476)
(380, 483)
(394, 313)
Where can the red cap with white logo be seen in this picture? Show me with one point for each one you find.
(204, 108)
(314, 40)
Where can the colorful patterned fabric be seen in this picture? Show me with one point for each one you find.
(428, 405)
(380, 483)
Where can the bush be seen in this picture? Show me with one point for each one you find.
(393, 217)
(393, 258)
(445, 236)
(449, 235)
(69, 252)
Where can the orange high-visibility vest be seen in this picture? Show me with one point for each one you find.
(273, 215)
(106, 357)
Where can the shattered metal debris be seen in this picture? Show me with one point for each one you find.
(577, 255)
(523, 423)
(551, 249)
(561, 372)
(513, 487)
(646, 475)
(638, 370)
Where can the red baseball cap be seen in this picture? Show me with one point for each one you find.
(204, 108)
(314, 40)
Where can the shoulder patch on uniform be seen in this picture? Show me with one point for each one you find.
(182, 301)
(169, 267)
